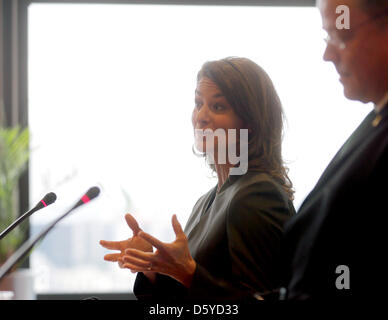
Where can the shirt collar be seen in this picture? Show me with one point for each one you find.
(379, 106)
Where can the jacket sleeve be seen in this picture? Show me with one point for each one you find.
(164, 288)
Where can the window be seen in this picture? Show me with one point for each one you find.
(111, 91)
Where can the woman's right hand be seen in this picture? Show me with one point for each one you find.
(135, 243)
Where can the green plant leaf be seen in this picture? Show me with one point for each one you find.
(14, 155)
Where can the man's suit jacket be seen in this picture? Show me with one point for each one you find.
(234, 237)
(336, 246)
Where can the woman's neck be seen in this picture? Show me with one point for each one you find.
(222, 171)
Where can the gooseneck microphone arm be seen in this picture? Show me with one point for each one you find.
(46, 201)
(30, 243)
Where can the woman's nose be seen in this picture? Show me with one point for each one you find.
(202, 116)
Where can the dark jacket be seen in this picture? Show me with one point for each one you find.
(342, 222)
(234, 237)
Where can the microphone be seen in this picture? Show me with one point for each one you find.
(46, 201)
(30, 243)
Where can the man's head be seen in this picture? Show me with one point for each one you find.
(360, 53)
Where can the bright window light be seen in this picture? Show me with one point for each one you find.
(111, 91)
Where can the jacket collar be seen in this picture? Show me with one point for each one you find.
(382, 103)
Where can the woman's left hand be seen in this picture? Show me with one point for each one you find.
(172, 259)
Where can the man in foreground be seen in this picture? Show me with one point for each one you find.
(335, 246)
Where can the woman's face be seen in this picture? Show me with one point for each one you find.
(212, 111)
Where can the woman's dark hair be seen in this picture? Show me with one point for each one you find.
(252, 95)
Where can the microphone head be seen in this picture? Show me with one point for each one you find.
(46, 201)
(49, 198)
(93, 192)
(90, 194)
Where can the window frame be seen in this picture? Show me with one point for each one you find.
(14, 68)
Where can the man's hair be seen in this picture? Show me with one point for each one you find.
(374, 7)
(371, 7)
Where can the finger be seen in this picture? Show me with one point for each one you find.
(112, 257)
(153, 241)
(177, 227)
(112, 245)
(138, 263)
(133, 268)
(120, 262)
(139, 254)
(132, 223)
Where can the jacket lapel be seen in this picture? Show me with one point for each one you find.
(368, 126)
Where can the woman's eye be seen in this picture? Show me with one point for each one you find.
(219, 107)
(198, 104)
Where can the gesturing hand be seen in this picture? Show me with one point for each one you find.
(172, 259)
(135, 242)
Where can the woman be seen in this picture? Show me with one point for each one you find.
(230, 246)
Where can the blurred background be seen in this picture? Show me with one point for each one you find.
(107, 90)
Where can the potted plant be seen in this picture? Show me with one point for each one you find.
(14, 154)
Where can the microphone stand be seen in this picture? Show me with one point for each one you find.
(30, 243)
(46, 201)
